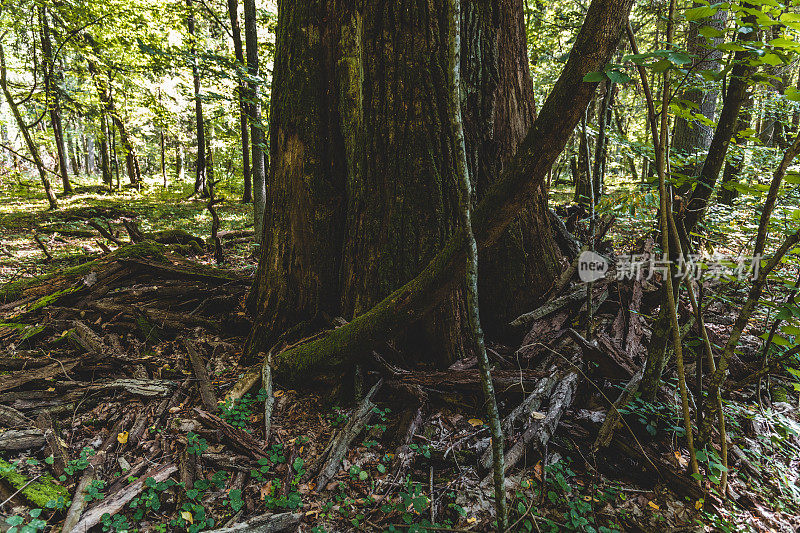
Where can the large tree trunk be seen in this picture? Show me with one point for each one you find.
(502, 203)
(735, 96)
(362, 185)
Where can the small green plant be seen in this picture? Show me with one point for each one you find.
(234, 500)
(292, 499)
(150, 499)
(94, 490)
(238, 412)
(195, 444)
(26, 524)
(357, 474)
(116, 524)
(424, 450)
(337, 417)
(79, 464)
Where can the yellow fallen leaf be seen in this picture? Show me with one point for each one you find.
(122, 437)
(186, 515)
(278, 393)
(654, 505)
(475, 422)
(51, 389)
(698, 504)
(471, 520)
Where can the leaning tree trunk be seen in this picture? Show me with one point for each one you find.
(362, 189)
(24, 130)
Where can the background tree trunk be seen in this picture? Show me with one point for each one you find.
(362, 185)
(54, 106)
(200, 184)
(256, 128)
(694, 138)
(241, 92)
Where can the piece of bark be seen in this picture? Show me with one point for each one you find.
(577, 295)
(21, 439)
(269, 401)
(268, 523)
(19, 378)
(244, 384)
(234, 437)
(148, 388)
(611, 363)
(503, 380)
(78, 498)
(566, 241)
(55, 444)
(203, 381)
(339, 443)
(113, 503)
(11, 418)
(87, 338)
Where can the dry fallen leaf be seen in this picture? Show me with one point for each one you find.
(537, 470)
(122, 437)
(536, 415)
(266, 490)
(681, 459)
(653, 505)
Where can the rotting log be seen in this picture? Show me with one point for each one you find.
(37, 491)
(594, 45)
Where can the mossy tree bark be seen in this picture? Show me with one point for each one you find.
(362, 189)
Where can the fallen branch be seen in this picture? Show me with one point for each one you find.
(21, 439)
(542, 429)
(113, 503)
(552, 306)
(237, 439)
(268, 523)
(338, 445)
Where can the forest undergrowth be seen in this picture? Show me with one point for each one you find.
(127, 404)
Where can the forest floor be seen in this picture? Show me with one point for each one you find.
(124, 406)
